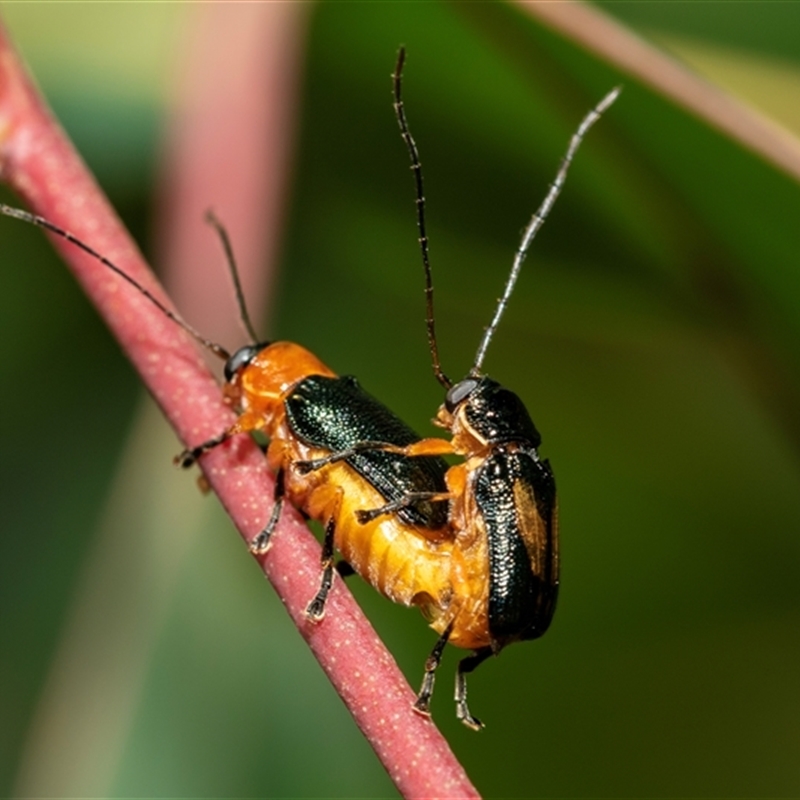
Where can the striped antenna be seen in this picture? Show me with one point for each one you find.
(538, 220)
(41, 222)
(416, 167)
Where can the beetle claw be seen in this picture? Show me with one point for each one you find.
(462, 713)
(316, 610)
(422, 706)
(184, 459)
(261, 544)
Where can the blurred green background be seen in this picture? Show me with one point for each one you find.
(654, 336)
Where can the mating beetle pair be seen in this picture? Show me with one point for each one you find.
(473, 545)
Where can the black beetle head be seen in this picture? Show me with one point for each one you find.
(495, 414)
(242, 358)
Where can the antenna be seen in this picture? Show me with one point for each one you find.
(416, 167)
(244, 316)
(41, 222)
(538, 220)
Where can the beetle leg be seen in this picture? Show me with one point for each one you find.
(316, 608)
(364, 516)
(261, 543)
(423, 701)
(304, 467)
(247, 423)
(424, 447)
(188, 457)
(427, 447)
(465, 666)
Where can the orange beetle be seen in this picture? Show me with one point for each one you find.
(287, 393)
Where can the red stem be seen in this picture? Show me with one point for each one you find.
(38, 162)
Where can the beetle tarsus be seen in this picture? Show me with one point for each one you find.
(304, 467)
(262, 542)
(465, 666)
(316, 608)
(462, 713)
(313, 464)
(188, 458)
(423, 701)
(364, 516)
(315, 611)
(185, 459)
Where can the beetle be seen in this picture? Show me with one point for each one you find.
(503, 511)
(474, 545)
(504, 573)
(307, 411)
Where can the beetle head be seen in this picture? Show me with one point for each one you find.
(241, 359)
(489, 413)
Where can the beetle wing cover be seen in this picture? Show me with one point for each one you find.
(336, 413)
(515, 495)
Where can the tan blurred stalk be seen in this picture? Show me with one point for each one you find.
(91, 694)
(612, 41)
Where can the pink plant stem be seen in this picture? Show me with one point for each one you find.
(41, 165)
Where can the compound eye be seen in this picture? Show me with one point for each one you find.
(240, 359)
(460, 392)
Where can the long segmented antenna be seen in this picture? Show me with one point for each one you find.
(416, 167)
(41, 222)
(538, 220)
(244, 316)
